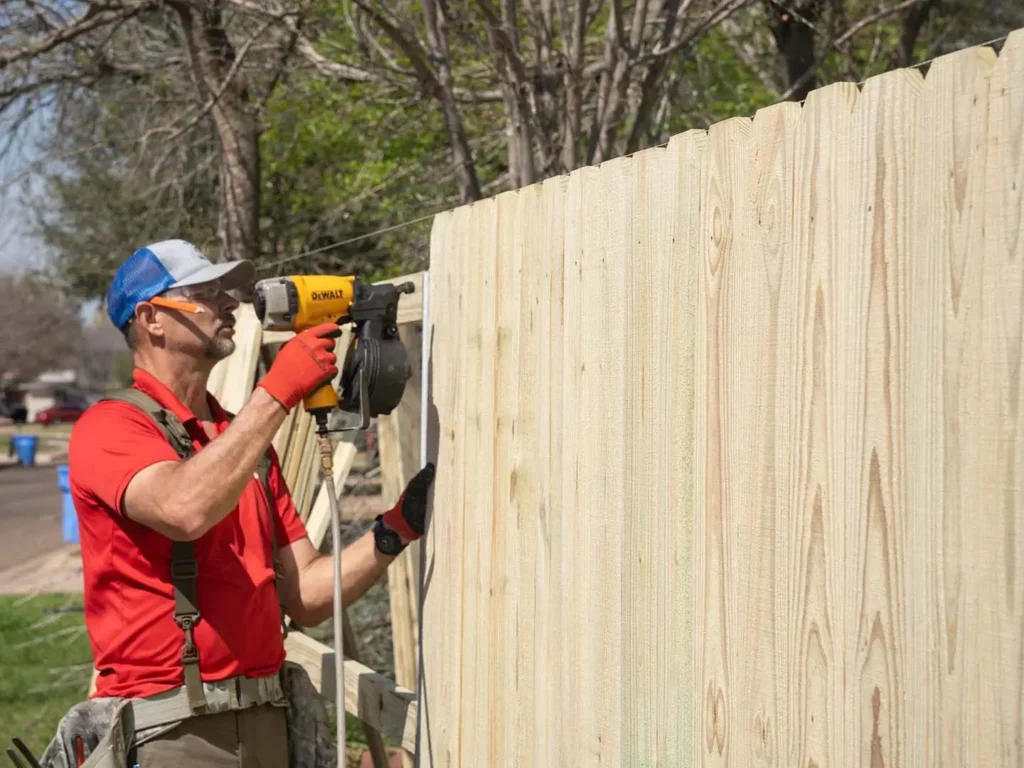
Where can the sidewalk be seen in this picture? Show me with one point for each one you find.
(59, 570)
(43, 459)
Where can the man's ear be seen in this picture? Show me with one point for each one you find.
(148, 320)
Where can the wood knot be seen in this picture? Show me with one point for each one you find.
(715, 719)
(764, 747)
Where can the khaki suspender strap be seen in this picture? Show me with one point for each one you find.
(184, 570)
(186, 615)
(263, 471)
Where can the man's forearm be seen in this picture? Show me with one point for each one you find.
(361, 565)
(207, 486)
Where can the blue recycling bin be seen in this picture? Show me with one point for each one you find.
(25, 447)
(69, 519)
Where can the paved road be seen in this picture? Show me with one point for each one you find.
(30, 513)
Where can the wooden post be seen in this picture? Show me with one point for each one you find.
(399, 435)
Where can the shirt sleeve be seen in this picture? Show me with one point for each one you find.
(109, 444)
(289, 526)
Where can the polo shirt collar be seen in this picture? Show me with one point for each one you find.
(152, 386)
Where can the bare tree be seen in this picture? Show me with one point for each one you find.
(38, 331)
(578, 82)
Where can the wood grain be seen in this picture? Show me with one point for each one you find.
(527, 350)
(758, 308)
(503, 360)
(541, 399)
(646, 270)
(438, 743)
(607, 238)
(575, 546)
(676, 692)
(478, 424)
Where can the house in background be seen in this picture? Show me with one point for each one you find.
(48, 389)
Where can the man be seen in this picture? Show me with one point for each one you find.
(138, 501)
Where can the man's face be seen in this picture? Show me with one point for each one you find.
(207, 333)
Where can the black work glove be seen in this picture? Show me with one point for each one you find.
(407, 516)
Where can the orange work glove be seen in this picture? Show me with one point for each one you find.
(304, 364)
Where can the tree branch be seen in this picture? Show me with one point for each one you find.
(878, 16)
(462, 155)
(303, 46)
(94, 17)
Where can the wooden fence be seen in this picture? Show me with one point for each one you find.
(730, 444)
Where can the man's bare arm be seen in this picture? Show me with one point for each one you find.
(309, 577)
(183, 500)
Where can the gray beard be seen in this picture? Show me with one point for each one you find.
(219, 348)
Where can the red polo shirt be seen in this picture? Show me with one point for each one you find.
(129, 599)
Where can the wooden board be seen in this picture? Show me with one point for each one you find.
(994, 544)
(439, 692)
(538, 454)
(399, 440)
(370, 696)
(944, 353)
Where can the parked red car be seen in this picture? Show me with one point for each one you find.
(59, 413)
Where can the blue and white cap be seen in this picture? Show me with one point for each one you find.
(156, 268)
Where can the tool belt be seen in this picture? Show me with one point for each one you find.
(113, 727)
(223, 696)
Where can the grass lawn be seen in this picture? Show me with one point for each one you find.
(45, 666)
(51, 439)
(53, 430)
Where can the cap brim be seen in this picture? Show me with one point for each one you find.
(235, 274)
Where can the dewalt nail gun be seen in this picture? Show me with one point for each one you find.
(375, 366)
(373, 372)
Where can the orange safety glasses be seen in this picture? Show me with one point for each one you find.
(184, 306)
